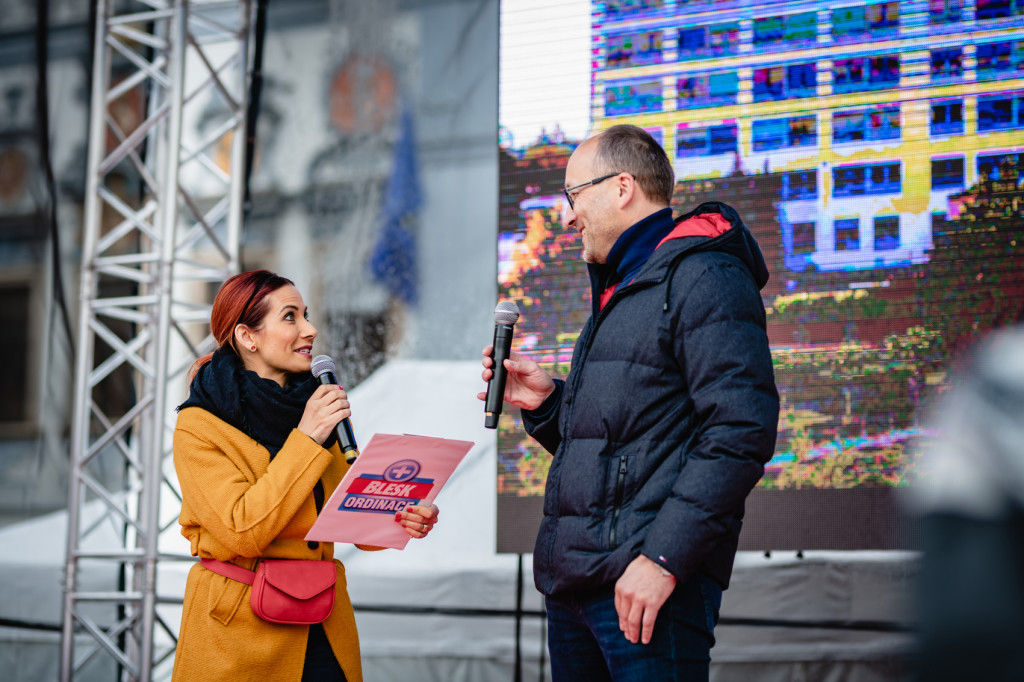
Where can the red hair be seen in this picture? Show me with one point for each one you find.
(242, 299)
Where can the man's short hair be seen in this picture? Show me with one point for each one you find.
(631, 149)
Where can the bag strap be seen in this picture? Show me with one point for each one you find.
(229, 570)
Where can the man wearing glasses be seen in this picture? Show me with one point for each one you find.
(660, 430)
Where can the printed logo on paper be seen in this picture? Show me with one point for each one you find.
(402, 470)
(394, 491)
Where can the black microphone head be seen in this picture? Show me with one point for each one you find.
(506, 312)
(322, 364)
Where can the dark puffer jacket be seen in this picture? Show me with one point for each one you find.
(667, 417)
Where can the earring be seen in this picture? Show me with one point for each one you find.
(253, 347)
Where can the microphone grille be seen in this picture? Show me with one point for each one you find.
(321, 365)
(506, 312)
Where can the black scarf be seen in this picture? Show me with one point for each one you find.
(258, 407)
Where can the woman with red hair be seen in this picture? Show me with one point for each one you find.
(256, 456)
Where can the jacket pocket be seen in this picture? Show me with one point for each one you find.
(620, 484)
(225, 596)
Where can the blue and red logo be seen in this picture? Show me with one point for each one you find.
(394, 491)
(402, 470)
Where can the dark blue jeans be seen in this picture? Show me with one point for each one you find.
(586, 645)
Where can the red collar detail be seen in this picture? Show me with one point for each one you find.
(702, 225)
(606, 295)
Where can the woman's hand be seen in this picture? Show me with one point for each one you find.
(417, 520)
(325, 408)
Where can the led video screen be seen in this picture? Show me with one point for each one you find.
(873, 149)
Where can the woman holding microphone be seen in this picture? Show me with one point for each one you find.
(256, 456)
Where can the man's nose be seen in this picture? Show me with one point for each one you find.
(568, 215)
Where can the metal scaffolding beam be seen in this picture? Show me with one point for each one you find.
(162, 223)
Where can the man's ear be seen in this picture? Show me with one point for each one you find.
(627, 189)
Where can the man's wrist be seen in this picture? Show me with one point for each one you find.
(661, 568)
(547, 406)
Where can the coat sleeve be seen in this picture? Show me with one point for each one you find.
(722, 348)
(242, 514)
(542, 423)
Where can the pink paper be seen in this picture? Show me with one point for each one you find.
(391, 473)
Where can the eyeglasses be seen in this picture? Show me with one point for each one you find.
(569, 191)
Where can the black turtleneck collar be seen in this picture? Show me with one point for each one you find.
(634, 246)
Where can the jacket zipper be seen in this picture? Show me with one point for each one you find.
(619, 485)
(585, 351)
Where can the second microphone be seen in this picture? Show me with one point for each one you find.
(323, 369)
(506, 313)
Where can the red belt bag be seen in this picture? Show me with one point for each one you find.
(288, 591)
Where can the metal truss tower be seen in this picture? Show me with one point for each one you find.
(162, 222)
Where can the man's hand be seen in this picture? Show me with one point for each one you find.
(527, 385)
(639, 594)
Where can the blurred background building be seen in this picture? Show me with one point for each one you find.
(374, 188)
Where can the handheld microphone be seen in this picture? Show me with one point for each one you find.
(505, 315)
(323, 369)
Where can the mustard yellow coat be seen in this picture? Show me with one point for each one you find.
(238, 506)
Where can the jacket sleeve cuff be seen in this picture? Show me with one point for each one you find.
(547, 408)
